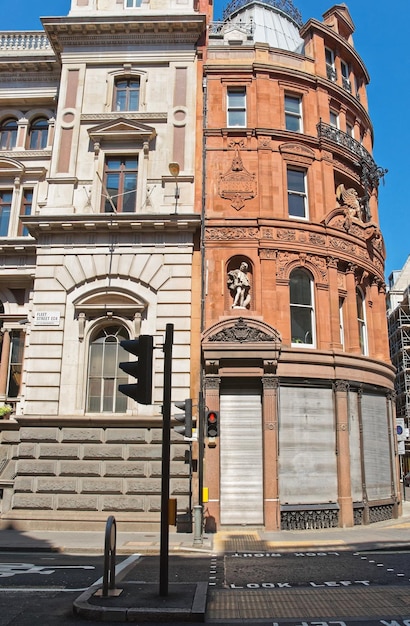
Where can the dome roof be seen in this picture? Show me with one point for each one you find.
(275, 22)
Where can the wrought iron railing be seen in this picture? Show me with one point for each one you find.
(370, 172)
(19, 41)
(286, 6)
(218, 28)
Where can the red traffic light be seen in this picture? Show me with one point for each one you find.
(212, 424)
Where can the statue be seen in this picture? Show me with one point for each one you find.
(349, 199)
(239, 286)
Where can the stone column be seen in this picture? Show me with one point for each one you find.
(270, 453)
(345, 500)
(212, 459)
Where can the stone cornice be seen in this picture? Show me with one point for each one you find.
(141, 116)
(115, 30)
(104, 222)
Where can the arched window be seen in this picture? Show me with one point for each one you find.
(38, 134)
(104, 375)
(8, 134)
(302, 318)
(126, 94)
(361, 321)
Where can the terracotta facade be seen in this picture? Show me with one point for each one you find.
(291, 191)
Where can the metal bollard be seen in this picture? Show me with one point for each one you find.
(109, 555)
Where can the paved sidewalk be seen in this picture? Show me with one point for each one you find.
(198, 601)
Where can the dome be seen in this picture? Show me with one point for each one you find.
(275, 22)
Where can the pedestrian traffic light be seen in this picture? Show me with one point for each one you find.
(141, 391)
(185, 418)
(212, 424)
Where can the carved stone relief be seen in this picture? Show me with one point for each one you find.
(237, 184)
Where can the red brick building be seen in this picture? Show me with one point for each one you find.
(295, 349)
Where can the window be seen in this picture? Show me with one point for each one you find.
(297, 199)
(330, 65)
(341, 322)
(25, 209)
(236, 107)
(8, 134)
(345, 76)
(334, 119)
(38, 134)
(293, 113)
(126, 94)
(132, 4)
(104, 375)
(350, 129)
(6, 197)
(120, 184)
(16, 363)
(361, 321)
(301, 308)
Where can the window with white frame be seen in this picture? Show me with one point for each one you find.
(132, 4)
(17, 338)
(334, 118)
(6, 199)
(345, 75)
(350, 128)
(361, 321)
(120, 184)
(297, 196)
(236, 106)
(104, 374)
(341, 322)
(126, 94)
(293, 113)
(302, 317)
(38, 134)
(330, 65)
(25, 209)
(8, 134)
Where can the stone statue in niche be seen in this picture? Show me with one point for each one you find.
(239, 286)
(350, 201)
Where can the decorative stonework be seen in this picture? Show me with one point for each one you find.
(317, 240)
(240, 332)
(237, 185)
(286, 234)
(218, 234)
(268, 254)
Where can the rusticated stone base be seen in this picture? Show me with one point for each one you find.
(63, 477)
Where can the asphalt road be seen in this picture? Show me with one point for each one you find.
(39, 588)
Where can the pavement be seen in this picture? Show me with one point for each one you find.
(133, 599)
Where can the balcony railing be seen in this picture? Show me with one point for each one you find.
(286, 6)
(24, 41)
(370, 172)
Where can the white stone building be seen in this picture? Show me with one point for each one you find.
(98, 241)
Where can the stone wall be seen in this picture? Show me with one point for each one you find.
(64, 477)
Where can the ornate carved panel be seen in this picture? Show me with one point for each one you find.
(237, 184)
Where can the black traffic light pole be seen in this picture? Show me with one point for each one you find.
(166, 446)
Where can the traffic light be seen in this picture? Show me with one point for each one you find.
(141, 391)
(185, 418)
(212, 424)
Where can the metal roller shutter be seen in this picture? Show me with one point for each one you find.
(307, 457)
(241, 489)
(376, 449)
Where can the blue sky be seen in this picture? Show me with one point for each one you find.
(381, 41)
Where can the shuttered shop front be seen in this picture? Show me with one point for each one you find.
(307, 458)
(241, 489)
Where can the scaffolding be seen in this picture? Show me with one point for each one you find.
(399, 339)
